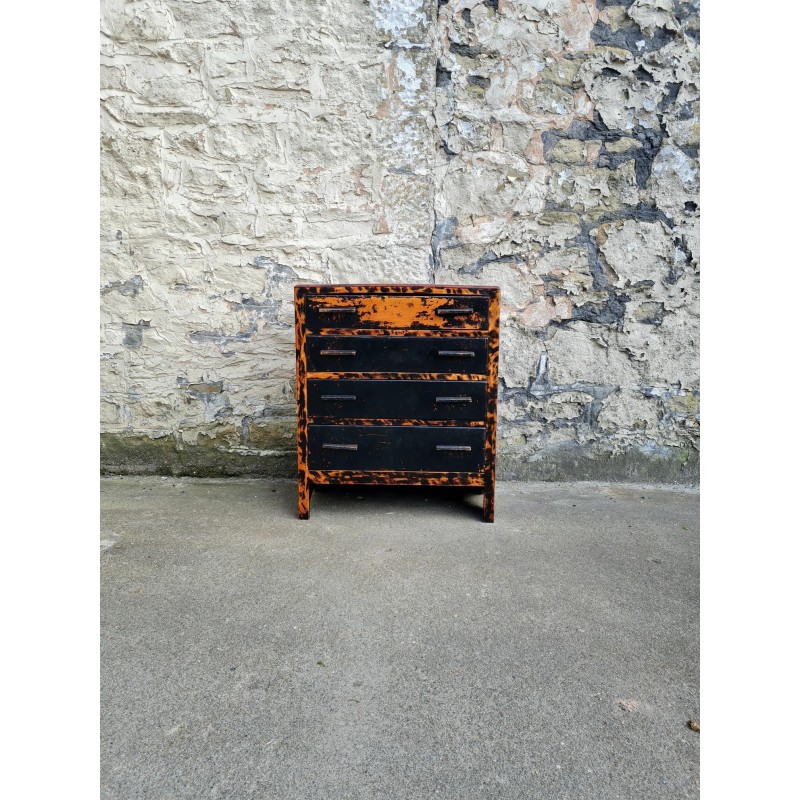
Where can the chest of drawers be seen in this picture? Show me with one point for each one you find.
(397, 384)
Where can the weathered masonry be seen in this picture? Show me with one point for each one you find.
(549, 147)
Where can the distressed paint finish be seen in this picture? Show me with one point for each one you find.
(414, 354)
(428, 376)
(406, 289)
(550, 148)
(396, 398)
(456, 423)
(568, 174)
(490, 456)
(405, 313)
(413, 448)
(386, 478)
(354, 446)
(303, 485)
(420, 332)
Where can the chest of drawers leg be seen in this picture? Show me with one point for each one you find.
(396, 384)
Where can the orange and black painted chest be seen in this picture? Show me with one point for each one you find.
(397, 384)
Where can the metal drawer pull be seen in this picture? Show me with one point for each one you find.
(461, 448)
(454, 312)
(338, 397)
(336, 310)
(453, 399)
(327, 446)
(457, 353)
(337, 352)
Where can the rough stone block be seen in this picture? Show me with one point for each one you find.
(637, 251)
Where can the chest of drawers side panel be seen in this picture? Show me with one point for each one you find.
(303, 485)
(491, 407)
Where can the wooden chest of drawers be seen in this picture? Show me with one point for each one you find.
(397, 384)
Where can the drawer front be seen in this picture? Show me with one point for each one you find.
(397, 354)
(396, 399)
(446, 312)
(389, 447)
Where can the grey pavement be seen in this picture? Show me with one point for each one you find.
(395, 646)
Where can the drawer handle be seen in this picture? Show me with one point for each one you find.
(328, 446)
(454, 312)
(337, 352)
(457, 353)
(338, 397)
(453, 399)
(461, 448)
(336, 310)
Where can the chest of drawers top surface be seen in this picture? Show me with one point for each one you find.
(396, 383)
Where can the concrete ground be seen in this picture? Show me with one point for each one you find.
(394, 646)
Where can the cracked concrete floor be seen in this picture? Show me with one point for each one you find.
(394, 646)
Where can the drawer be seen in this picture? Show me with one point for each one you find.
(396, 354)
(396, 399)
(445, 312)
(395, 447)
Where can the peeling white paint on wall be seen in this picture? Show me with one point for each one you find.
(399, 17)
(546, 146)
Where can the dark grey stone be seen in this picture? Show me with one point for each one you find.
(128, 288)
(133, 333)
(631, 38)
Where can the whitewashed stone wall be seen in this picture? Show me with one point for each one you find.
(546, 146)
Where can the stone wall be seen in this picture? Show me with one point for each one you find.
(546, 146)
